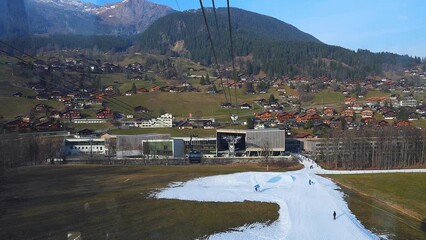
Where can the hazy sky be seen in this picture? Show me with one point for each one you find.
(378, 25)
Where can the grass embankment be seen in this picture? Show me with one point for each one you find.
(401, 191)
(328, 97)
(181, 104)
(114, 202)
(10, 107)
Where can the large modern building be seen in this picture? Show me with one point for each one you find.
(235, 142)
(207, 146)
(131, 145)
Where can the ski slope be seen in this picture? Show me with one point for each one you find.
(306, 211)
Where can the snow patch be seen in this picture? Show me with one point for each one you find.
(305, 210)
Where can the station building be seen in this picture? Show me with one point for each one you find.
(249, 142)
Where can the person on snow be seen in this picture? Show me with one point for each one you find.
(256, 187)
(334, 215)
(310, 182)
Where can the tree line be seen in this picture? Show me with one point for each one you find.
(16, 151)
(378, 148)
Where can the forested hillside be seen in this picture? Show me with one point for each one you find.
(271, 45)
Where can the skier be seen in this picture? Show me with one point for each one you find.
(334, 215)
(310, 181)
(256, 187)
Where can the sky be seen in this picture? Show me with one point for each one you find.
(397, 26)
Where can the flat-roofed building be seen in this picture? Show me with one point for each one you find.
(85, 146)
(249, 142)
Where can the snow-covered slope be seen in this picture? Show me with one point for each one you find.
(305, 209)
(68, 4)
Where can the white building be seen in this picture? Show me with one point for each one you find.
(88, 120)
(411, 102)
(163, 121)
(89, 146)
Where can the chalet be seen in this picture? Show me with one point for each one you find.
(368, 121)
(105, 113)
(71, 114)
(186, 125)
(313, 116)
(348, 112)
(211, 90)
(40, 108)
(42, 96)
(206, 123)
(383, 123)
(155, 88)
(413, 116)
(26, 118)
(141, 90)
(304, 135)
(349, 119)
(402, 123)
(390, 115)
(350, 101)
(85, 133)
(226, 105)
(283, 116)
(302, 117)
(328, 112)
(17, 94)
(47, 126)
(367, 113)
(55, 114)
(311, 111)
(245, 106)
(328, 120)
(109, 89)
(17, 124)
(357, 106)
(141, 109)
(264, 116)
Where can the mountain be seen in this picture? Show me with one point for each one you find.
(75, 17)
(13, 18)
(131, 16)
(262, 43)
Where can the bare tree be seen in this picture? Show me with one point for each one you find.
(266, 152)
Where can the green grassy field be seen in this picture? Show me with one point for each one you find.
(388, 204)
(329, 97)
(181, 104)
(405, 192)
(377, 94)
(47, 202)
(10, 107)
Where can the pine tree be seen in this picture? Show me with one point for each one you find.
(207, 79)
(202, 80)
(134, 88)
(272, 99)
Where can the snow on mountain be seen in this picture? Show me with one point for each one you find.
(68, 4)
(77, 17)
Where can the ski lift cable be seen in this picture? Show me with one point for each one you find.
(215, 18)
(232, 53)
(213, 50)
(14, 48)
(177, 3)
